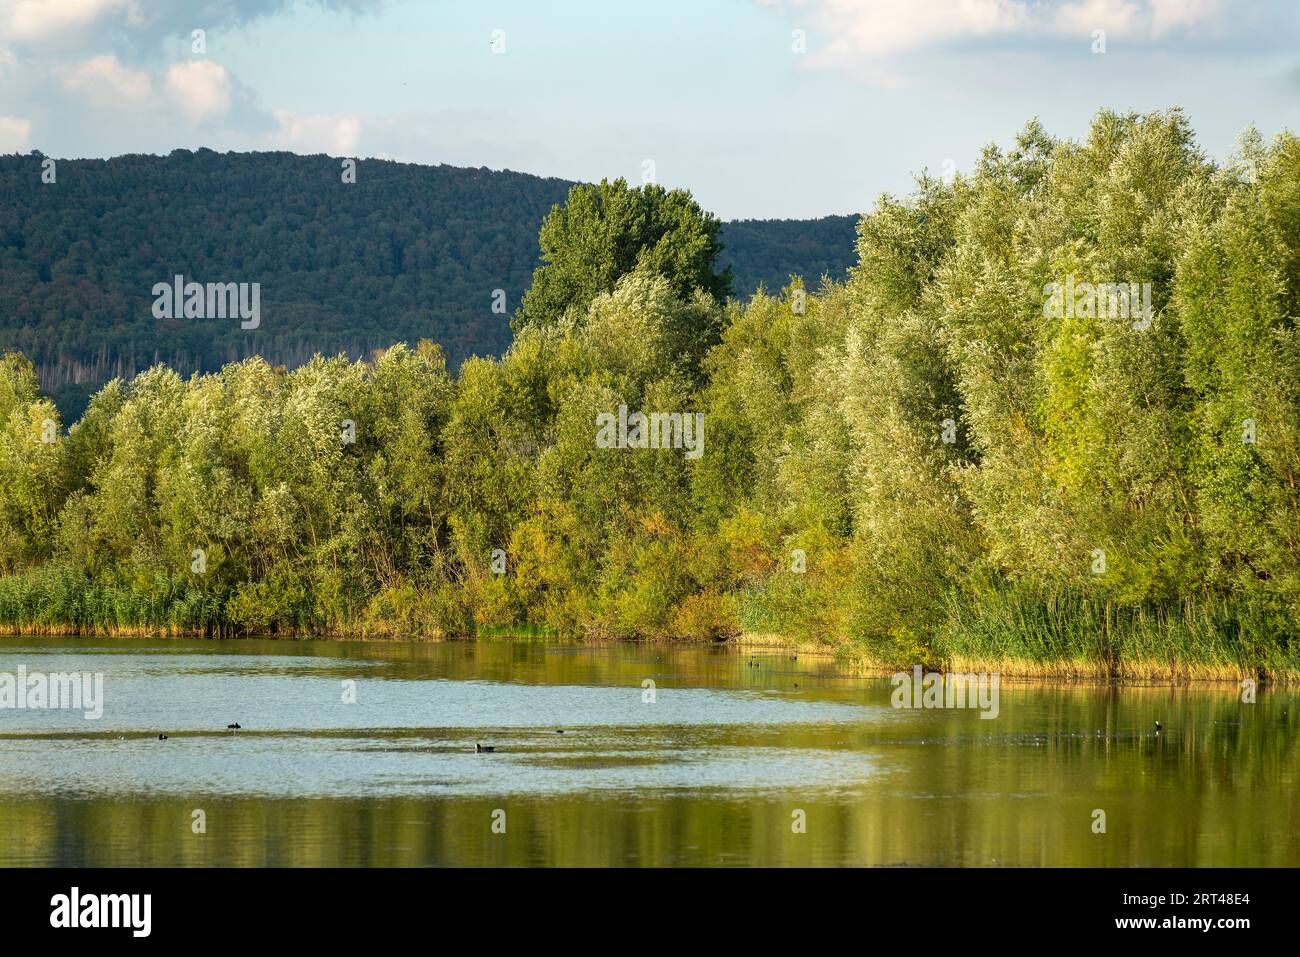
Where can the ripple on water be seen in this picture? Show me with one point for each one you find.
(405, 736)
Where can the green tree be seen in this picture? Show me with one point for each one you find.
(604, 232)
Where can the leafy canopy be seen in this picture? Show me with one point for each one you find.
(604, 232)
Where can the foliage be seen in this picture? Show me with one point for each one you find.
(606, 231)
(926, 462)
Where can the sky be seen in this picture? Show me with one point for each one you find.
(762, 108)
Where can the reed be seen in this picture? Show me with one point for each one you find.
(56, 600)
(1061, 634)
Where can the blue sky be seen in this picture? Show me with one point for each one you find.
(714, 92)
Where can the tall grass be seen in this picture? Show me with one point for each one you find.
(58, 600)
(1049, 632)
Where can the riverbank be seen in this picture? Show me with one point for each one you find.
(1144, 670)
(1019, 635)
(847, 657)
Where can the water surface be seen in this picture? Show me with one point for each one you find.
(713, 767)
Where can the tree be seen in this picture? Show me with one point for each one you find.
(32, 465)
(604, 232)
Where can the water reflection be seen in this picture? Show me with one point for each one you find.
(709, 773)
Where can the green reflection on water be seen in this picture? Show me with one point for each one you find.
(710, 774)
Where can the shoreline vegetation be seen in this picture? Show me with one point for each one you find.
(944, 460)
(848, 659)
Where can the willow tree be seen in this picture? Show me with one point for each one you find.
(1235, 297)
(33, 466)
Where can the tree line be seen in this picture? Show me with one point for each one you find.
(938, 460)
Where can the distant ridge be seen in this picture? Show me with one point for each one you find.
(407, 252)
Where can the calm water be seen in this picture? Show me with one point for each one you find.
(709, 773)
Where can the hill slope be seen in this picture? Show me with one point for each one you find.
(768, 251)
(406, 252)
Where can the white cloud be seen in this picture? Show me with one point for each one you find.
(336, 134)
(882, 29)
(1141, 21)
(457, 137)
(132, 25)
(40, 19)
(1172, 14)
(200, 88)
(105, 79)
(1081, 17)
(14, 133)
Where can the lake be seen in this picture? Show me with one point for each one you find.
(353, 753)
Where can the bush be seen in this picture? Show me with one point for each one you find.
(707, 616)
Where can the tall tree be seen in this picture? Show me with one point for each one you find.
(604, 232)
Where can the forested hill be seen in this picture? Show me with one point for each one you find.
(768, 251)
(404, 253)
